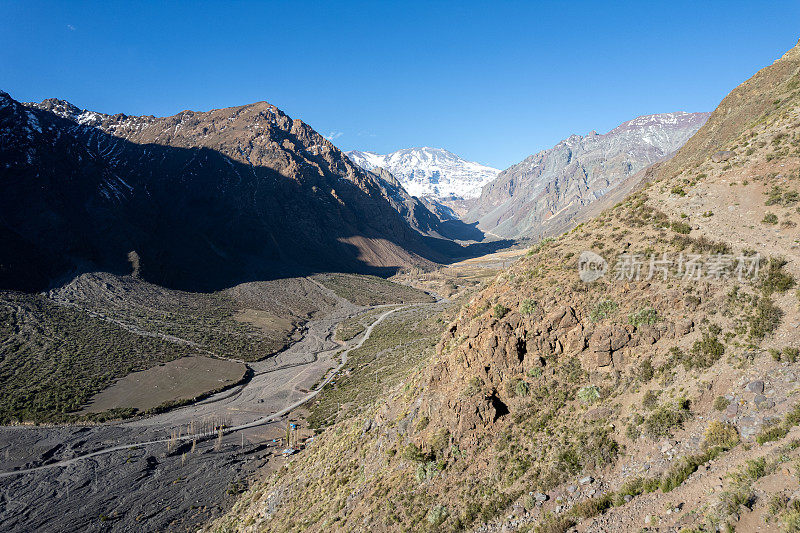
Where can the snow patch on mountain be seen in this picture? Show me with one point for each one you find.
(430, 172)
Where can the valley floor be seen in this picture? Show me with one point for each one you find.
(175, 470)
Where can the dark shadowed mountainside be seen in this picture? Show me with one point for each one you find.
(205, 199)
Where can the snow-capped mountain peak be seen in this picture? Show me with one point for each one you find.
(430, 172)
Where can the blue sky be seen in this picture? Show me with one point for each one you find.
(490, 81)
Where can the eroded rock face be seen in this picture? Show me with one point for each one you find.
(646, 335)
(605, 341)
(513, 353)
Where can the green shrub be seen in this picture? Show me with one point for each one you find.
(788, 354)
(666, 418)
(499, 311)
(527, 307)
(535, 372)
(592, 506)
(741, 493)
(541, 245)
(555, 524)
(770, 218)
(791, 522)
(685, 467)
(704, 353)
(780, 196)
(632, 431)
(635, 487)
(773, 277)
(772, 433)
(722, 435)
(428, 470)
(793, 416)
(678, 191)
(650, 399)
(753, 469)
(589, 394)
(439, 440)
(647, 316)
(765, 319)
(734, 498)
(646, 371)
(437, 515)
(603, 310)
(518, 387)
(474, 386)
(412, 453)
(721, 403)
(681, 227)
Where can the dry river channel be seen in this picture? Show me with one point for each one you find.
(172, 471)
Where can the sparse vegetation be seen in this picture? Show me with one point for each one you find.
(704, 353)
(773, 278)
(721, 403)
(771, 433)
(396, 346)
(589, 394)
(602, 310)
(372, 290)
(48, 376)
(685, 467)
(666, 418)
(681, 227)
(647, 316)
(527, 307)
(499, 311)
(539, 397)
(722, 435)
(764, 319)
(541, 245)
(781, 196)
(474, 386)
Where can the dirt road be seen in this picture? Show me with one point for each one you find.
(170, 471)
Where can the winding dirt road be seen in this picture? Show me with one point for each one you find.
(255, 423)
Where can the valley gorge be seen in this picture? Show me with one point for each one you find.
(226, 321)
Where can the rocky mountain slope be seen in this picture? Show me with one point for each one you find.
(425, 215)
(205, 200)
(434, 173)
(538, 195)
(651, 386)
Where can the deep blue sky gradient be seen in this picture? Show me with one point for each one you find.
(490, 81)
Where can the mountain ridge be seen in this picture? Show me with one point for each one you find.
(549, 187)
(248, 189)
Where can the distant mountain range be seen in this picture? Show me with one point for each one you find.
(205, 199)
(541, 194)
(210, 199)
(432, 173)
